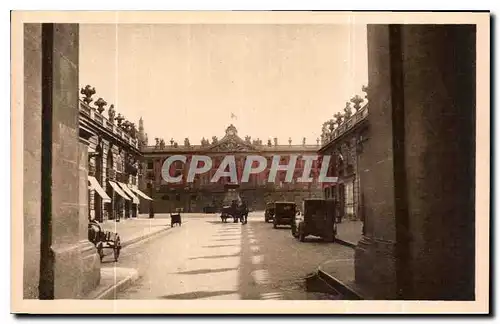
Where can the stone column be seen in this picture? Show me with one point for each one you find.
(62, 234)
(439, 82)
(418, 164)
(375, 266)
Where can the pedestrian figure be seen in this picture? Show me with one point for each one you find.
(234, 211)
(244, 213)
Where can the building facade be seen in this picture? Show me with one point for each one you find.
(202, 194)
(342, 138)
(114, 155)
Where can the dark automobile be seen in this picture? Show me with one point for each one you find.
(317, 219)
(284, 213)
(269, 213)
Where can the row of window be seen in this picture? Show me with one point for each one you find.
(178, 165)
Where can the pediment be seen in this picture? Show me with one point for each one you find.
(232, 144)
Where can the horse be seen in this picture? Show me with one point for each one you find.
(231, 211)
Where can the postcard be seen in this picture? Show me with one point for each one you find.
(250, 162)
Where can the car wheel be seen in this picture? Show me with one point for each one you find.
(330, 238)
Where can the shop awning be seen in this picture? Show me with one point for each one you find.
(94, 185)
(117, 189)
(129, 192)
(142, 194)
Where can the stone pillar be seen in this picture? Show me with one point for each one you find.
(62, 232)
(32, 156)
(375, 266)
(439, 117)
(418, 164)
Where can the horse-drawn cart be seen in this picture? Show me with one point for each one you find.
(237, 212)
(104, 240)
(175, 218)
(228, 212)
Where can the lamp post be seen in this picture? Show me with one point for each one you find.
(151, 210)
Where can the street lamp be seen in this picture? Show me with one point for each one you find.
(151, 211)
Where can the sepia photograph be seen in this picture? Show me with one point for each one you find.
(250, 162)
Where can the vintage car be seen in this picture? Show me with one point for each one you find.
(317, 219)
(284, 213)
(269, 213)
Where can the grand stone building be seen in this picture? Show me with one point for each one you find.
(343, 139)
(114, 155)
(201, 193)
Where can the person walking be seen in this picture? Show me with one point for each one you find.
(244, 213)
(235, 211)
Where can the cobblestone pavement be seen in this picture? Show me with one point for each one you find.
(207, 259)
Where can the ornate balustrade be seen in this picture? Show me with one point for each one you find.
(347, 125)
(94, 115)
(126, 131)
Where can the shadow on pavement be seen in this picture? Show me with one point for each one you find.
(218, 246)
(228, 233)
(275, 265)
(198, 294)
(205, 271)
(216, 256)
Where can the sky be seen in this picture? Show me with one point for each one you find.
(186, 80)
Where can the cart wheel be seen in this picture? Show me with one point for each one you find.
(117, 247)
(100, 251)
(274, 225)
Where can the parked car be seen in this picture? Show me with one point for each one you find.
(284, 213)
(318, 219)
(269, 212)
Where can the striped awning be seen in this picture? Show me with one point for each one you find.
(94, 185)
(142, 194)
(129, 192)
(119, 191)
